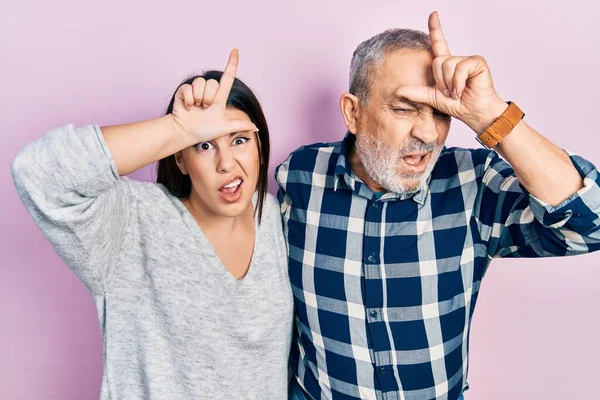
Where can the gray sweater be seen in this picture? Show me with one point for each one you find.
(175, 323)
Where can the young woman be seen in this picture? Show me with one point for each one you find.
(189, 275)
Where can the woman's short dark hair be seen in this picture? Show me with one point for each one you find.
(240, 98)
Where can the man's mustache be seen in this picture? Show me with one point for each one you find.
(416, 146)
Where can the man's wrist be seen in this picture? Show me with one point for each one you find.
(487, 116)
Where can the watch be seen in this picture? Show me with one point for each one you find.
(501, 127)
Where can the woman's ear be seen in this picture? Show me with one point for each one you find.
(259, 146)
(180, 161)
(350, 107)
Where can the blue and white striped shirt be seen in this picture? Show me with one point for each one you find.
(385, 287)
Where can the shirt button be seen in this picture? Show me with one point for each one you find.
(371, 259)
(382, 370)
(373, 314)
(375, 204)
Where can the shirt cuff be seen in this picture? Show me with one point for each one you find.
(585, 202)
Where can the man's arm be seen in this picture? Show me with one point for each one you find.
(514, 223)
(545, 202)
(464, 89)
(543, 168)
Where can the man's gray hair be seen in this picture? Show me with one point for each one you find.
(371, 53)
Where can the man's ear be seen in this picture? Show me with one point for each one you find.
(179, 160)
(350, 107)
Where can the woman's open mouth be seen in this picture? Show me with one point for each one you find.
(231, 191)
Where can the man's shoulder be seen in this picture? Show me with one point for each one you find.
(305, 157)
(466, 158)
(463, 164)
(314, 148)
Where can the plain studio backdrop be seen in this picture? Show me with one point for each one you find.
(536, 331)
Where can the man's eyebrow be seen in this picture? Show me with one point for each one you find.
(405, 100)
(416, 105)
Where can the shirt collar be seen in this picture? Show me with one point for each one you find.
(343, 175)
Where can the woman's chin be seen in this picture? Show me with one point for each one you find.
(232, 210)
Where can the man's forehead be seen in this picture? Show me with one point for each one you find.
(406, 67)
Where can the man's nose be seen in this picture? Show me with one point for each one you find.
(425, 130)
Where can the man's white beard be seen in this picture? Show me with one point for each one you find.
(380, 161)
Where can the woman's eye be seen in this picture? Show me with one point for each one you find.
(240, 140)
(204, 146)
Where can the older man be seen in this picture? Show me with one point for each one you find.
(390, 233)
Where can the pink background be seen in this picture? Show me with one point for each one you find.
(536, 330)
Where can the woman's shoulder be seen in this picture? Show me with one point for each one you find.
(149, 193)
(272, 200)
(270, 231)
(271, 214)
(271, 207)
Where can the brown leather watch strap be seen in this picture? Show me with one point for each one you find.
(502, 126)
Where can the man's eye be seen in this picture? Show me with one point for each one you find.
(402, 110)
(204, 146)
(441, 115)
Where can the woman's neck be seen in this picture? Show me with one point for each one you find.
(211, 221)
